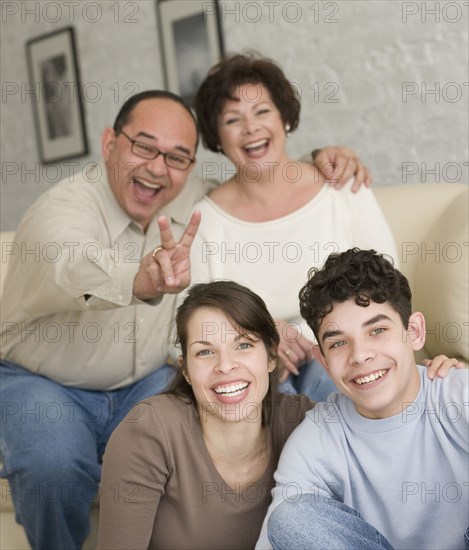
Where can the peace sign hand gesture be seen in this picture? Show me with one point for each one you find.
(166, 270)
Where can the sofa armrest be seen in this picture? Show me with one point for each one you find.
(7, 247)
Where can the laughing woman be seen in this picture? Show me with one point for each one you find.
(276, 217)
(193, 468)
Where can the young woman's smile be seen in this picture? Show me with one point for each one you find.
(225, 365)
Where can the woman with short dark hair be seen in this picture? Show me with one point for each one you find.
(275, 217)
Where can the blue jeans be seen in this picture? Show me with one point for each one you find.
(52, 440)
(309, 523)
(312, 381)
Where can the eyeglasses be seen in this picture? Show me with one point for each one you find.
(145, 151)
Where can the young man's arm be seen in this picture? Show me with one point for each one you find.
(451, 406)
(304, 467)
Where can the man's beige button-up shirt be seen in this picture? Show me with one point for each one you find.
(67, 309)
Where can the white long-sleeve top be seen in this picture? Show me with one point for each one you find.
(273, 258)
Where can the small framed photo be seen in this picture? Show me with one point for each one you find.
(57, 103)
(191, 42)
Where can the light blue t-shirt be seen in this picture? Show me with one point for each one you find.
(407, 475)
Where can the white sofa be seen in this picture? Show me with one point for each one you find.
(430, 225)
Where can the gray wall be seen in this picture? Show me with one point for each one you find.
(365, 70)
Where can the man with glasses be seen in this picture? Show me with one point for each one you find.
(87, 311)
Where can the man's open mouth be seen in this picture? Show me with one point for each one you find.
(145, 188)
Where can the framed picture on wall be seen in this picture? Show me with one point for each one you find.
(57, 102)
(191, 42)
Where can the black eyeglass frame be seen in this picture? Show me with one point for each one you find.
(157, 153)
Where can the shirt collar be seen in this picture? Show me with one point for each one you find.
(117, 220)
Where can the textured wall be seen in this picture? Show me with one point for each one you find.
(387, 78)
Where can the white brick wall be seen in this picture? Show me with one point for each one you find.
(364, 54)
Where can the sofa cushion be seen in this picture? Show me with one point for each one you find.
(443, 276)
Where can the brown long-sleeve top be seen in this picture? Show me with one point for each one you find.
(161, 490)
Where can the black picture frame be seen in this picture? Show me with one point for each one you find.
(57, 103)
(191, 42)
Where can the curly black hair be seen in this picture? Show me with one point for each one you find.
(363, 275)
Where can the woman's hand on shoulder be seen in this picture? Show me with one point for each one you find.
(439, 366)
(339, 164)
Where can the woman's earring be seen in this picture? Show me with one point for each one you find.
(272, 367)
(287, 129)
(180, 363)
(219, 148)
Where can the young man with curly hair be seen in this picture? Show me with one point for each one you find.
(384, 463)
